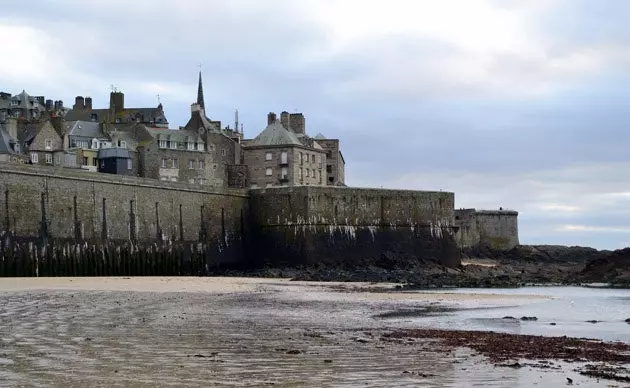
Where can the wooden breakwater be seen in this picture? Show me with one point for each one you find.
(30, 259)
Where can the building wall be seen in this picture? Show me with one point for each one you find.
(306, 162)
(238, 176)
(334, 162)
(38, 145)
(497, 229)
(319, 224)
(134, 208)
(212, 174)
(255, 159)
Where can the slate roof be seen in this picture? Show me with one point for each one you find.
(179, 135)
(275, 134)
(319, 136)
(84, 129)
(29, 131)
(6, 142)
(128, 115)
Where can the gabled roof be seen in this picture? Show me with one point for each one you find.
(29, 131)
(275, 134)
(319, 136)
(6, 142)
(145, 115)
(84, 129)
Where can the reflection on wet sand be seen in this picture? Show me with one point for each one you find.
(236, 333)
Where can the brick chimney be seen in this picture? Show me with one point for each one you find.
(271, 118)
(88, 103)
(284, 119)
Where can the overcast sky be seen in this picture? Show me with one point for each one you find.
(515, 103)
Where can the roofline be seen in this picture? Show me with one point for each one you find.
(245, 146)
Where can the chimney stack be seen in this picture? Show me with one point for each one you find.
(49, 105)
(88, 103)
(284, 119)
(12, 127)
(297, 122)
(116, 102)
(271, 118)
(79, 103)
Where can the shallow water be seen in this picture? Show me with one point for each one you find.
(75, 338)
(568, 307)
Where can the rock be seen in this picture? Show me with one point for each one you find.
(328, 361)
(552, 324)
(529, 318)
(508, 317)
(628, 320)
(593, 321)
(294, 352)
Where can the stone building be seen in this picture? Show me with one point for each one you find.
(496, 229)
(279, 157)
(27, 107)
(9, 146)
(117, 113)
(335, 163)
(41, 142)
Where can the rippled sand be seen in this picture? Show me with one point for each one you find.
(198, 332)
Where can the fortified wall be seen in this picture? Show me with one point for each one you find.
(277, 226)
(64, 205)
(497, 229)
(336, 225)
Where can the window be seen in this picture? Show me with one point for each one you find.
(269, 172)
(301, 174)
(301, 159)
(284, 173)
(214, 166)
(48, 144)
(313, 173)
(57, 160)
(223, 152)
(49, 159)
(191, 146)
(173, 145)
(94, 116)
(163, 165)
(320, 176)
(284, 157)
(307, 170)
(123, 144)
(200, 146)
(212, 147)
(94, 162)
(162, 178)
(329, 169)
(202, 165)
(313, 159)
(268, 156)
(162, 143)
(85, 161)
(102, 163)
(191, 164)
(17, 148)
(129, 164)
(202, 181)
(174, 163)
(15, 103)
(319, 161)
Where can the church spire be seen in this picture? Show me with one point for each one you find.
(200, 93)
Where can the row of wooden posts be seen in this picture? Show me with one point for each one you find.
(36, 260)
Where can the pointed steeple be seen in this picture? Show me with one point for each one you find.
(200, 93)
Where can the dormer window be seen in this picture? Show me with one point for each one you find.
(200, 146)
(15, 103)
(123, 144)
(173, 145)
(162, 143)
(191, 146)
(48, 144)
(94, 117)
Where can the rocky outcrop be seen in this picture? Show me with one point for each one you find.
(612, 267)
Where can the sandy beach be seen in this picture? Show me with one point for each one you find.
(196, 332)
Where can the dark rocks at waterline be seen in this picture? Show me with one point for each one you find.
(612, 268)
(627, 320)
(529, 318)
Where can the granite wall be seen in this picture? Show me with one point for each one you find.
(496, 229)
(61, 204)
(351, 226)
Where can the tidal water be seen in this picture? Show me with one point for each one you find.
(569, 308)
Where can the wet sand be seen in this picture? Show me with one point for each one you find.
(197, 332)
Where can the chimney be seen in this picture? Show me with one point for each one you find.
(12, 127)
(284, 119)
(79, 103)
(271, 118)
(49, 105)
(116, 102)
(88, 103)
(297, 123)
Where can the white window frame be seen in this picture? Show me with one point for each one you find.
(163, 163)
(202, 165)
(34, 157)
(201, 181)
(284, 157)
(48, 144)
(200, 147)
(284, 172)
(162, 143)
(269, 171)
(123, 144)
(191, 164)
(173, 163)
(49, 159)
(268, 155)
(173, 145)
(129, 164)
(191, 146)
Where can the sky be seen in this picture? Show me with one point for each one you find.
(520, 104)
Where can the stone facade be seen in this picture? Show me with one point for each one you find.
(497, 229)
(335, 164)
(40, 141)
